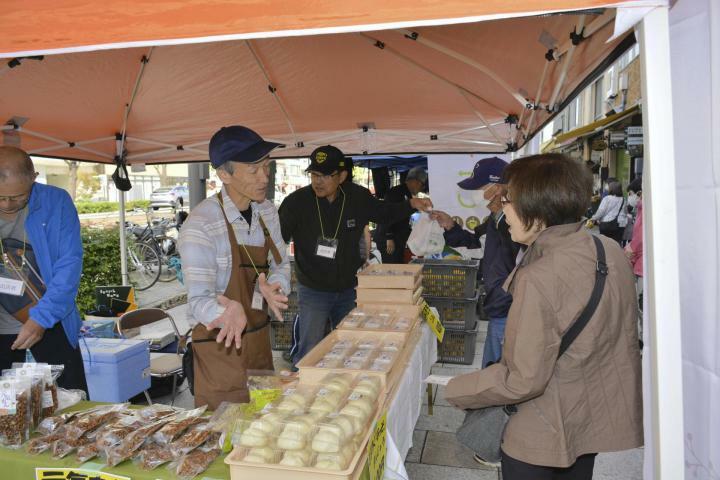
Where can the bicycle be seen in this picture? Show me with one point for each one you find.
(143, 265)
(155, 236)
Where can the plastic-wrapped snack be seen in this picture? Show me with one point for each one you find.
(88, 422)
(343, 344)
(64, 446)
(196, 462)
(37, 386)
(402, 324)
(87, 452)
(156, 412)
(337, 382)
(50, 424)
(49, 394)
(192, 439)
(113, 435)
(39, 445)
(392, 346)
(178, 425)
(15, 412)
(127, 448)
(153, 456)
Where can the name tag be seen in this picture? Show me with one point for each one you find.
(257, 298)
(327, 248)
(10, 286)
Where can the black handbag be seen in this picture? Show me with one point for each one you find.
(121, 178)
(609, 228)
(20, 262)
(483, 429)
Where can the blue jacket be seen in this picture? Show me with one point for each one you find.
(53, 229)
(498, 260)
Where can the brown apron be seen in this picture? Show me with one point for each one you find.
(220, 372)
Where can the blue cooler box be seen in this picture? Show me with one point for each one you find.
(116, 369)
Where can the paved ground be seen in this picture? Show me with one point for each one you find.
(435, 453)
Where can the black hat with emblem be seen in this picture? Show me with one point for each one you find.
(326, 160)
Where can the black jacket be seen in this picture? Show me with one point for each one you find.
(300, 223)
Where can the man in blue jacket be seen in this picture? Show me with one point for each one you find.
(500, 251)
(40, 224)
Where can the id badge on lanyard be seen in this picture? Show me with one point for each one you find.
(257, 298)
(11, 282)
(326, 247)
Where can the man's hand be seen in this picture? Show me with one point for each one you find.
(443, 219)
(390, 247)
(29, 335)
(421, 204)
(231, 322)
(274, 296)
(629, 252)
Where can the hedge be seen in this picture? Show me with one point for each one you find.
(101, 264)
(100, 207)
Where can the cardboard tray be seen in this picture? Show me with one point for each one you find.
(309, 374)
(240, 470)
(411, 311)
(382, 295)
(373, 277)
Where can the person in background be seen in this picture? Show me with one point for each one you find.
(40, 221)
(634, 249)
(611, 215)
(500, 252)
(397, 234)
(326, 220)
(235, 268)
(589, 399)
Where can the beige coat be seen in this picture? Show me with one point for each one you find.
(590, 399)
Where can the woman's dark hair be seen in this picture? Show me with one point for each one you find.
(615, 189)
(551, 189)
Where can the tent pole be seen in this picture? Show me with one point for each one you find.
(566, 65)
(123, 241)
(662, 375)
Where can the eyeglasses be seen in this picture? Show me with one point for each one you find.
(319, 176)
(504, 200)
(15, 198)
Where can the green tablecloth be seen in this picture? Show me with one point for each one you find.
(18, 465)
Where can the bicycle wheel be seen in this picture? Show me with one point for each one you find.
(167, 246)
(143, 265)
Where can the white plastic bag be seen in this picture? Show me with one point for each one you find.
(426, 237)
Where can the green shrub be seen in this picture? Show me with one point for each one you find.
(102, 207)
(101, 264)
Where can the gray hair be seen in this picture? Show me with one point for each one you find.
(227, 167)
(419, 174)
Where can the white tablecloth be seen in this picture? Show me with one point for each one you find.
(407, 401)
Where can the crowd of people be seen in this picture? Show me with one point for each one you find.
(542, 271)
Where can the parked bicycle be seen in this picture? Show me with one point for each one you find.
(159, 236)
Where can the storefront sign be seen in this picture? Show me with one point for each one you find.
(435, 325)
(377, 449)
(74, 474)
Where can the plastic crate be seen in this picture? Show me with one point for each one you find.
(449, 278)
(456, 313)
(458, 346)
(281, 332)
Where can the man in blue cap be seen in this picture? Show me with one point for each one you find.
(500, 251)
(236, 267)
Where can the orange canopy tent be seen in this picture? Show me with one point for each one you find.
(155, 79)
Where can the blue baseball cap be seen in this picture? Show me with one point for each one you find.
(487, 170)
(238, 144)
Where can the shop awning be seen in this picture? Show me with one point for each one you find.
(592, 128)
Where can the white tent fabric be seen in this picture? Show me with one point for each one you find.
(695, 37)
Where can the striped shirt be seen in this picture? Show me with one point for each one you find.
(206, 256)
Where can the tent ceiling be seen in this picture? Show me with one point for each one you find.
(450, 89)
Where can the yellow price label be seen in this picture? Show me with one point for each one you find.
(260, 398)
(435, 325)
(377, 449)
(74, 474)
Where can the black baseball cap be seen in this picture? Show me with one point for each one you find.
(487, 170)
(326, 160)
(238, 144)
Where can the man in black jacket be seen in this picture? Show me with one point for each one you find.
(397, 234)
(326, 220)
(500, 253)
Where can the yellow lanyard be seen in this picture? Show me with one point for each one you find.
(342, 209)
(2, 249)
(250, 258)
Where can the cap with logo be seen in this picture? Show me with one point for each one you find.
(487, 170)
(326, 160)
(238, 144)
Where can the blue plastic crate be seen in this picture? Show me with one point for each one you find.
(116, 369)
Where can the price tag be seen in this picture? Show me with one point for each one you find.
(74, 474)
(261, 398)
(377, 449)
(10, 286)
(435, 325)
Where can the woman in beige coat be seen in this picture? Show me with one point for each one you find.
(589, 400)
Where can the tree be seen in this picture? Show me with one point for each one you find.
(162, 171)
(72, 178)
